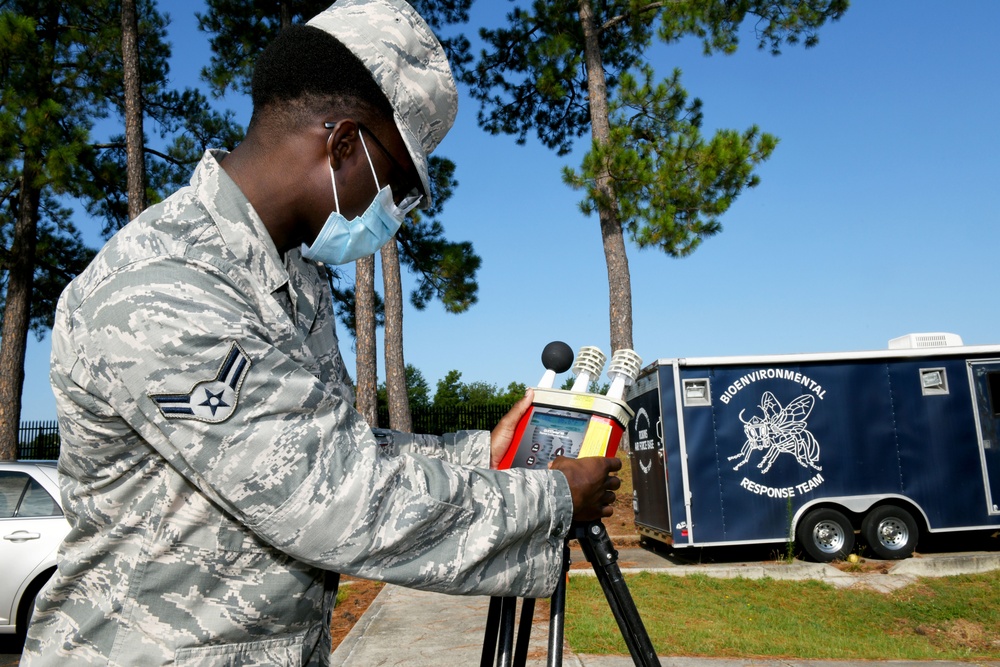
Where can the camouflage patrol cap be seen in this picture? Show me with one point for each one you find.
(409, 65)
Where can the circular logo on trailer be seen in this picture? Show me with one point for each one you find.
(645, 440)
(776, 431)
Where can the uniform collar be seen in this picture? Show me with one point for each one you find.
(239, 225)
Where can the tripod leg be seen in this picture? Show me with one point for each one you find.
(557, 609)
(506, 643)
(524, 631)
(492, 630)
(600, 552)
(557, 614)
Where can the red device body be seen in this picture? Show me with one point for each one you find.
(565, 423)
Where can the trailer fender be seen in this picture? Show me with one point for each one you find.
(861, 505)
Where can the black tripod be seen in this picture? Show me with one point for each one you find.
(597, 547)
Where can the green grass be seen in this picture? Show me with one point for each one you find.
(945, 618)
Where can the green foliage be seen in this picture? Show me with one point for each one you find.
(189, 125)
(444, 269)
(458, 405)
(513, 393)
(60, 71)
(532, 76)
(453, 393)
(184, 122)
(60, 255)
(241, 30)
(670, 184)
(51, 82)
(417, 390)
(595, 386)
(54, 58)
(450, 390)
(775, 22)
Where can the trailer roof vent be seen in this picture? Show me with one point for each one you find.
(919, 340)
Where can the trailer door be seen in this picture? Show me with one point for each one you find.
(986, 386)
(649, 472)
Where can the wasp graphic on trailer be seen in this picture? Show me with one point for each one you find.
(781, 430)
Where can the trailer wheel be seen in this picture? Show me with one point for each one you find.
(891, 532)
(826, 535)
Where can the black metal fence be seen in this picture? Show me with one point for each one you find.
(38, 441)
(435, 421)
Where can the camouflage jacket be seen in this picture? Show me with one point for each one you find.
(214, 469)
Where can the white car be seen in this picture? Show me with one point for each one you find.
(32, 526)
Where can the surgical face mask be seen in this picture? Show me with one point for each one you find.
(342, 241)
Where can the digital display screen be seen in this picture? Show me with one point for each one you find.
(559, 422)
(550, 433)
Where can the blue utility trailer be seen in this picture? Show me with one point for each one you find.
(818, 447)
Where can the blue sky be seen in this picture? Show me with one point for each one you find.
(875, 217)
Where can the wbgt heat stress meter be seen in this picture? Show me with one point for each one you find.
(574, 422)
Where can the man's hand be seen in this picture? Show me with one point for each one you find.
(501, 436)
(591, 483)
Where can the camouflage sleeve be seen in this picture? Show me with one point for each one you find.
(212, 376)
(462, 448)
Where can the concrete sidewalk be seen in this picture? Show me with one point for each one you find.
(418, 629)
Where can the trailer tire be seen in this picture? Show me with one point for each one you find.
(825, 535)
(890, 532)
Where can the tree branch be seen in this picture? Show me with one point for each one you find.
(152, 151)
(615, 20)
(14, 185)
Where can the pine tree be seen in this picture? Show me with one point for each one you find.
(53, 60)
(564, 67)
(61, 68)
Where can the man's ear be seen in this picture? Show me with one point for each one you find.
(340, 145)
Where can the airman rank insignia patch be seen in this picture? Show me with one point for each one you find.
(211, 400)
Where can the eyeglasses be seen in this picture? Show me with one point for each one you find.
(401, 183)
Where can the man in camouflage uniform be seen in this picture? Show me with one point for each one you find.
(215, 473)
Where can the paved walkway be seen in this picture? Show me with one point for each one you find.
(417, 629)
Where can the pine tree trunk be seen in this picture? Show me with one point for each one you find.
(17, 313)
(395, 367)
(135, 157)
(619, 281)
(367, 363)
